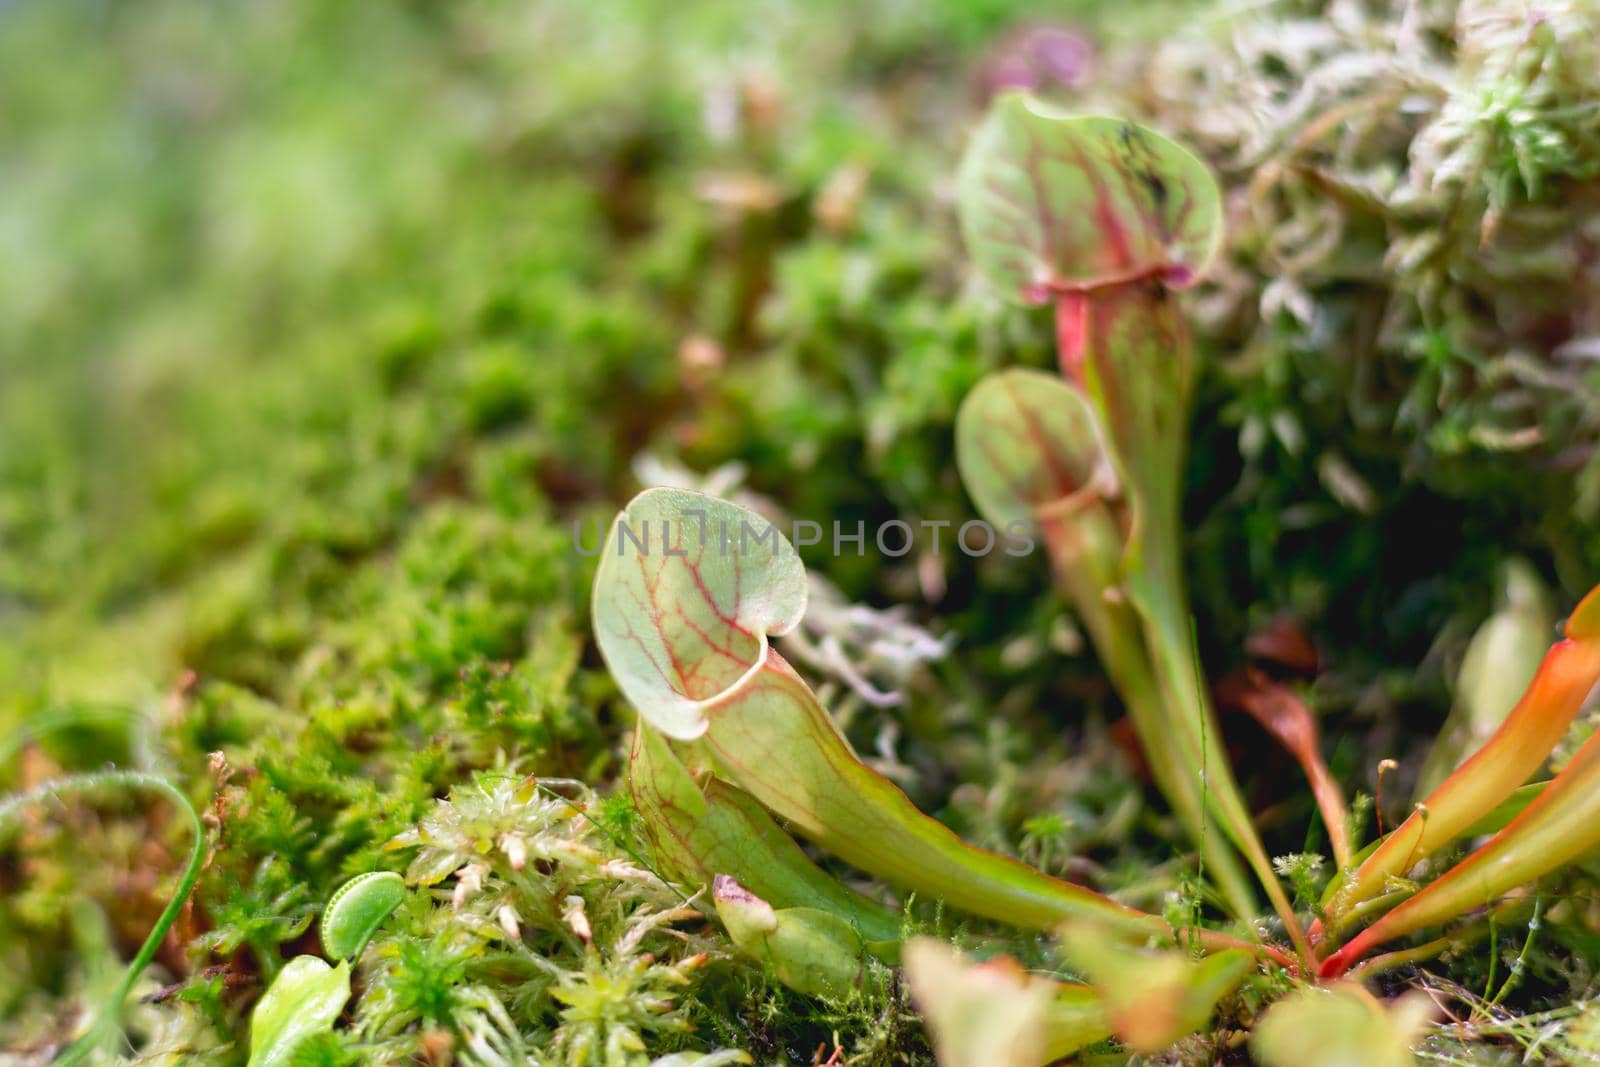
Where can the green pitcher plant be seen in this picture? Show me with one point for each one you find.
(688, 594)
(1105, 223)
(685, 629)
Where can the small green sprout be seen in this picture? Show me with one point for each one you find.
(307, 996)
(809, 949)
(994, 1013)
(1152, 998)
(1343, 1024)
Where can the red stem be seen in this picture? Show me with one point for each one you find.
(1072, 332)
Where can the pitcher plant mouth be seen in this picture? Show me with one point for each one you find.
(684, 617)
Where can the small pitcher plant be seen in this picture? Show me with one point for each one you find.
(1104, 222)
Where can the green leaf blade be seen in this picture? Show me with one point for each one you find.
(304, 1000)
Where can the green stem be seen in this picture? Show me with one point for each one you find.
(1161, 598)
(1128, 343)
(1147, 709)
(111, 1011)
(1519, 966)
(1388, 961)
(1085, 556)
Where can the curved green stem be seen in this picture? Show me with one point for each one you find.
(111, 1011)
